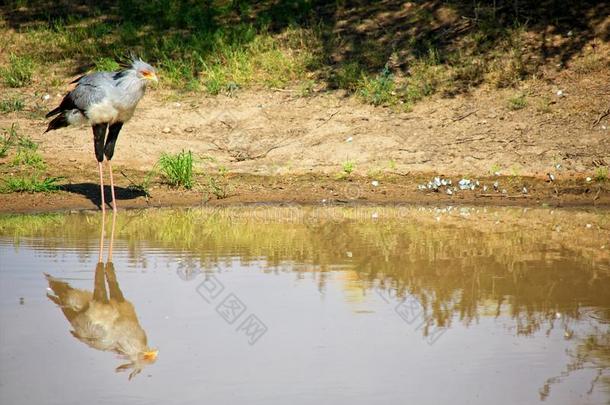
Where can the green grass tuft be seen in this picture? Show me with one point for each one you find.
(379, 90)
(8, 139)
(601, 173)
(106, 64)
(347, 168)
(30, 184)
(19, 71)
(178, 169)
(11, 105)
(517, 102)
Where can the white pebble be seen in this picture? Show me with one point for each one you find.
(559, 93)
(375, 215)
(588, 226)
(46, 97)
(349, 139)
(166, 130)
(589, 179)
(375, 183)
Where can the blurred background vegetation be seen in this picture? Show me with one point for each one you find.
(386, 52)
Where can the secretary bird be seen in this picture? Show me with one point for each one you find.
(105, 100)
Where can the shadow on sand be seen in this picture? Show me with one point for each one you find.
(92, 192)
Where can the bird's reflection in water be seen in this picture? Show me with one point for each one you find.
(104, 319)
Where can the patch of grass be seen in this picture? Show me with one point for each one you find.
(106, 64)
(517, 103)
(30, 184)
(27, 153)
(218, 186)
(601, 173)
(425, 77)
(28, 157)
(11, 105)
(177, 169)
(8, 138)
(306, 88)
(495, 168)
(347, 76)
(19, 71)
(347, 168)
(380, 90)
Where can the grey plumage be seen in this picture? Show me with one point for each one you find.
(103, 97)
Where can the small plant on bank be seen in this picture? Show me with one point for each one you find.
(30, 184)
(27, 154)
(601, 173)
(379, 90)
(177, 169)
(8, 139)
(11, 105)
(517, 103)
(19, 71)
(495, 169)
(347, 169)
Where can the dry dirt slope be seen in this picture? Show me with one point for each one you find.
(283, 133)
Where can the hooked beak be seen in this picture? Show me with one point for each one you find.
(153, 77)
(150, 355)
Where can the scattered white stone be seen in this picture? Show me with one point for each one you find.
(558, 166)
(323, 200)
(166, 130)
(570, 33)
(177, 105)
(375, 183)
(449, 191)
(349, 139)
(588, 226)
(375, 215)
(588, 179)
(46, 97)
(464, 184)
(551, 176)
(348, 254)
(558, 315)
(559, 93)
(524, 190)
(503, 191)
(496, 173)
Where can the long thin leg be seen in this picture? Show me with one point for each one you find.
(112, 187)
(100, 258)
(102, 203)
(113, 134)
(111, 244)
(99, 133)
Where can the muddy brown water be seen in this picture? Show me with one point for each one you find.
(302, 305)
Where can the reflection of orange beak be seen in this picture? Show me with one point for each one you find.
(150, 355)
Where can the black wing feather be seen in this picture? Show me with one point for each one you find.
(66, 104)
